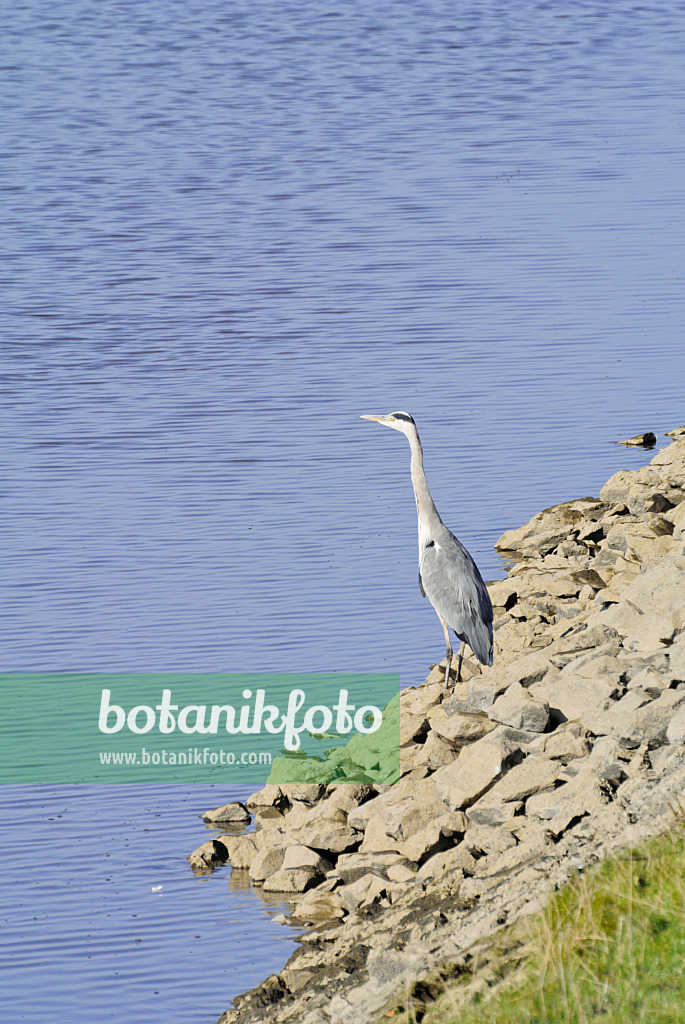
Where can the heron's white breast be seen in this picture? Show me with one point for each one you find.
(424, 535)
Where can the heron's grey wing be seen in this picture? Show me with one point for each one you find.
(423, 592)
(455, 588)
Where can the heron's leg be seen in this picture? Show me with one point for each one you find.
(449, 650)
(461, 658)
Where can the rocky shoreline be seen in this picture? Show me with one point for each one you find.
(570, 747)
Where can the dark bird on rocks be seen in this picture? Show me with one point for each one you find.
(448, 575)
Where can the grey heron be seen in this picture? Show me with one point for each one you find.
(448, 575)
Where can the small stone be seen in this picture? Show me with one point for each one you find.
(518, 709)
(363, 892)
(523, 780)
(647, 440)
(458, 858)
(303, 857)
(675, 732)
(241, 849)
(459, 728)
(438, 835)
(269, 796)
(266, 862)
(290, 880)
(351, 866)
(483, 839)
(315, 907)
(233, 812)
(493, 812)
(400, 873)
(461, 783)
(475, 695)
(208, 856)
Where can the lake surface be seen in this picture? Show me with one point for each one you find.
(228, 230)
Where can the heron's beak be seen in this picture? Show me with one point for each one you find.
(376, 419)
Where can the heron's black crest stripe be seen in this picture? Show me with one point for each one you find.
(403, 416)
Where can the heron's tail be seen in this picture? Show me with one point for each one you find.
(481, 643)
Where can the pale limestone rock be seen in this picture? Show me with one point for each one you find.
(559, 807)
(315, 907)
(411, 727)
(523, 780)
(437, 751)
(469, 668)
(268, 818)
(241, 849)
(515, 857)
(400, 873)
(676, 658)
(268, 796)
(572, 695)
(643, 490)
(459, 728)
(404, 818)
(303, 793)
(641, 541)
(448, 861)
(615, 717)
(517, 708)
(348, 796)
(493, 812)
(650, 680)
(266, 862)
(549, 528)
(677, 517)
(325, 835)
(207, 857)
(529, 669)
(647, 440)
(503, 593)
(233, 812)
(377, 838)
(478, 765)
(477, 694)
(484, 839)
(291, 880)
(652, 609)
(304, 857)
(266, 838)
(675, 733)
(418, 787)
(437, 835)
(650, 724)
(418, 700)
(362, 892)
(565, 745)
(351, 866)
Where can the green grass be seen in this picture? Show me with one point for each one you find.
(609, 948)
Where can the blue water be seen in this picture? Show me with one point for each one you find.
(228, 230)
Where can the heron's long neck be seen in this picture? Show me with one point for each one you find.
(424, 503)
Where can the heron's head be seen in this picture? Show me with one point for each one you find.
(401, 421)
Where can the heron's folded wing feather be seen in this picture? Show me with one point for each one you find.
(455, 588)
